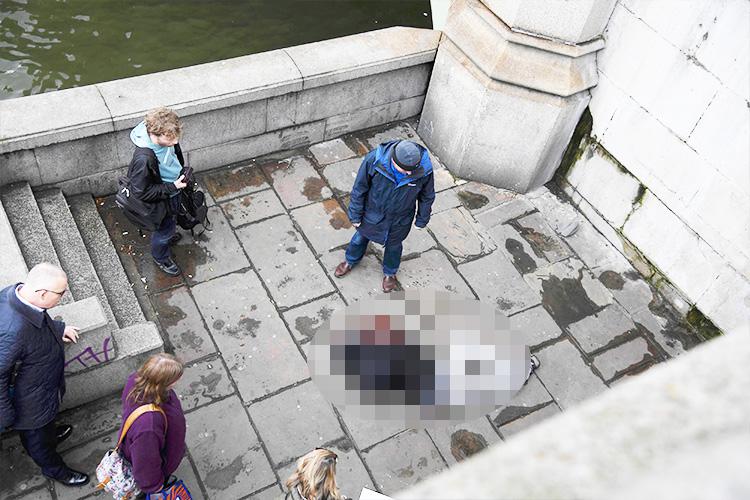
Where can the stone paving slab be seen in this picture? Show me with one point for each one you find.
(296, 181)
(367, 433)
(516, 249)
(622, 358)
(541, 237)
(325, 224)
(478, 197)
(252, 338)
(227, 453)
(503, 212)
(304, 321)
(85, 458)
(443, 178)
(529, 420)
(187, 474)
(433, 270)
(341, 175)
(203, 383)
(294, 422)
(445, 200)
(531, 396)
(18, 473)
(213, 253)
(252, 207)
(180, 320)
(401, 130)
(284, 261)
(672, 334)
(418, 242)
(596, 331)
(538, 325)
(351, 475)
(91, 421)
(456, 442)
(566, 376)
(569, 291)
(629, 289)
(271, 493)
(365, 280)
(460, 235)
(39, 494)
(497, 282)
(331, 151)
(395, 470)
(226, 183)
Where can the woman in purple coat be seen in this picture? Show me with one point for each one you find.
(154, 446)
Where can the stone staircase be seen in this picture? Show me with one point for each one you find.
(47, 226)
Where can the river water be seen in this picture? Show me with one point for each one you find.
(56, 44)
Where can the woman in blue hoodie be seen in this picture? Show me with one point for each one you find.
(156, 175)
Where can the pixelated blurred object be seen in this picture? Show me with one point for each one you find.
(419, 356)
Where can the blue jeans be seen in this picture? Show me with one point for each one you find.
(391, 255)
(160, 237)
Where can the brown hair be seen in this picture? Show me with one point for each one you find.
(163, 121)
(316, 476)
(154, 378)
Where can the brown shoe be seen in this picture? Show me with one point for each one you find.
(389, 283)
(342, 269)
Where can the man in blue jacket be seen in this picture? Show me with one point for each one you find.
(32, 363)
(394, 183)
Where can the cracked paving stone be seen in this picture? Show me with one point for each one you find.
(252, 207)
(181, 321)
(458, 442)
(252, 338)
(202, 383)
(294, 422)
(224, 184)
(230, 464)
(479, 198)
(305, 321)
(432, 270)
(502, 213)
(623, 357)
(529, 420)
(542, 238)
(284, 261)
(351, 475)
(566, 376)
(331, 151)
(460, 235)
(395, 470)
(297, 182)
(596, 331)
(497, 282)
(537, 324)
(531, 396)
(325, 224)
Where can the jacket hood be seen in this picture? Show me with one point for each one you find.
(139, 136)
(384, 153)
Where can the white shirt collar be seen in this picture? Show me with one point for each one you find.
(24, 301)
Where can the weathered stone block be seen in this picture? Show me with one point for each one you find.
(364, 281)
(181, 321)
(529, 420)
(296, 181)
(14, 267)
(227, 183)
(341, 175)
(530, 397)
(223, 125)
(305, 321)
(538, 325)
(68, 160)
(367, 433)
(203, 383)
(252, 208)
(16, 166)
(325, 224)
(458, 442)
(377, 115)
(331, 151)
(596, 331)
(433, 270)
(619, 359)
(460, 235)
(566, 376)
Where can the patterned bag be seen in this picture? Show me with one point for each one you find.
(175, 491)
(114, 473)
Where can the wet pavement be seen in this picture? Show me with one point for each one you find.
(256, 288)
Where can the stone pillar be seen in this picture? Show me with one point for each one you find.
(509, 84)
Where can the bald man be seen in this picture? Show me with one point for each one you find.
(32, 363)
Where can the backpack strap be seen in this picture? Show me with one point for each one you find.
(134, 415)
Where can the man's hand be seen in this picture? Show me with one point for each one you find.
(180, 182)
(71, 334)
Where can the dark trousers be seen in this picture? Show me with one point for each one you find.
(41, 445)
(391, 254)
(160, 237)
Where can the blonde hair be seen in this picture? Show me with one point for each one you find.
(163, 121)
(154, 378)
(316, 476)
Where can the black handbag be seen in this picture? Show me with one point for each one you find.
(192, 209)
(145, 216)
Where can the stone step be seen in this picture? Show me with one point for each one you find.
(95, 345)
(13, 268)
(134, 346)
(117, 286)
(83, 281)
(31, 233)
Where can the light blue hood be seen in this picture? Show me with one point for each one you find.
(169, 165)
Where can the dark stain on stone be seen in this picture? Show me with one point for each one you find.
(521, 260)
(566, 300)
(208, 382)
(188, 338)
(612, 280)
(503, 304)
(422, 462)
(308, 326)
(223, 477)
(227, 182)
(191, 257)
(169, 315)
(472, 201)
(313, 187)
(338, 219)
(291, 250)
(676, 329)
(539, 242)
(465, 444)
(218, 324)
(246, 326)
(632, 275)
(286, 280)
(510, 413)
(293, 234)
(405, 472)
(246, 201)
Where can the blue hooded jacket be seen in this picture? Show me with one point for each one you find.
(385, 207)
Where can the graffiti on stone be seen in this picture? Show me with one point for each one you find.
(91, 356)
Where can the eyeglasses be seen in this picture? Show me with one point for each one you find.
(52, 291)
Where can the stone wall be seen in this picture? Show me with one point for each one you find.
(233, 110)
(663, 167)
